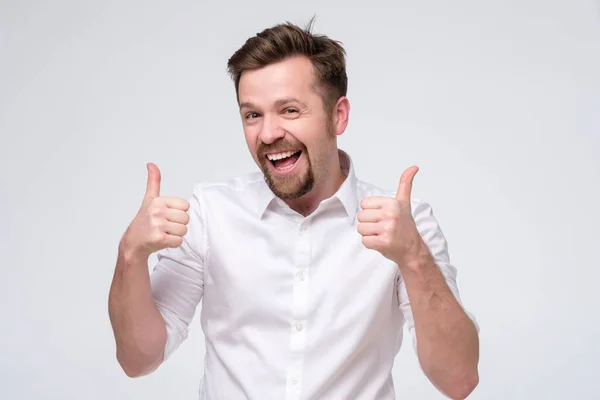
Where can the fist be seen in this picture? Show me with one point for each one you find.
(161, 222)
(386, 223)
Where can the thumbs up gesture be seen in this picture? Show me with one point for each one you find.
(386, 224)
(161, 222)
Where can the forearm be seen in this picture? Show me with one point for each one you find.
(447, 340)
(138, 326)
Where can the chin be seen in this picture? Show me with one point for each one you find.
(292, 187)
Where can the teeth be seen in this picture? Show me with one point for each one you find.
(279, 156)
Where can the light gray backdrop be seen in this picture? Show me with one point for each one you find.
(498, 102)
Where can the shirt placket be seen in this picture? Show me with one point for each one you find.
(299, 308)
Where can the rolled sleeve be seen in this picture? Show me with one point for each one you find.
(177, 279)
(429, 229)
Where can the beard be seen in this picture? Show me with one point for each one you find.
(298, 183)
(291, 186)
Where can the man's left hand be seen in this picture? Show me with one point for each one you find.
(387, 225)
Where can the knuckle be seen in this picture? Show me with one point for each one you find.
(157, 204)
(155, 210)
(157, 224)
(389, 228)
(386, 241)
(157, 236)
(391, 215)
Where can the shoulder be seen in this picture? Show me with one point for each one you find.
(235, 186)
(365, 189)
(235, 196)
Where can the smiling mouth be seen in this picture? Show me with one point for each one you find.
(284, 160)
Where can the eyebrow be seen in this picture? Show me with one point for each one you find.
(278, 103)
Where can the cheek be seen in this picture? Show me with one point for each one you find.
(307, 132)
(251, 136)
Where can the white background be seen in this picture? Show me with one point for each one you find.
(498, 102)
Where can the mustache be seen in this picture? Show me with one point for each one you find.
(279, 146)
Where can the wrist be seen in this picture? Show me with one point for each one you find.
(416, 259)
(130, 254)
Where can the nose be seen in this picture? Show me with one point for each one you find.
(271, 130)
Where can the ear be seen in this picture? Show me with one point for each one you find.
(341, 115)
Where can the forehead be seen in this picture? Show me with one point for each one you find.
(293, 77)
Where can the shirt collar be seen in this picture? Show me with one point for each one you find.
(346, 194)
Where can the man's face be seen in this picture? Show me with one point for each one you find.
(288, 132)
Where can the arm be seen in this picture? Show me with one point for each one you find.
(150, 313)
(446, 337)
(139, 329)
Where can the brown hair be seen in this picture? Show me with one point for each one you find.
(286, 40)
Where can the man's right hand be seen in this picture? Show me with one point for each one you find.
(161, 222)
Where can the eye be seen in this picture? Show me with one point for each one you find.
(252, 115)
(290, 111)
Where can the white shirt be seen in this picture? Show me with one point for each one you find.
(293, 307)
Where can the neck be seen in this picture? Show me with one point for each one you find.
(327, 187)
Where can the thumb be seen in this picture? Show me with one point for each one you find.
(405, 186)
(153, 184)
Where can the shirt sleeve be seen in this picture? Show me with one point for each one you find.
(177, 279)
(429, 229)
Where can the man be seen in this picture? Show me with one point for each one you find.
(307, 274)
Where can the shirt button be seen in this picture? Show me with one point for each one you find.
(294, 381)
(300, 276)
(299, 327)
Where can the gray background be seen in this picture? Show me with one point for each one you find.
(497, 102)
